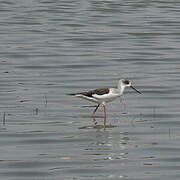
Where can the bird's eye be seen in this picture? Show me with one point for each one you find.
(126, 81)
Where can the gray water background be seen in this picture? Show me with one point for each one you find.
(51, 48)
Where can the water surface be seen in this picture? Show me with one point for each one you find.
(51, 48)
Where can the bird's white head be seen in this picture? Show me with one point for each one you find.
(125, 83)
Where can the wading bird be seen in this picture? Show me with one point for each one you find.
(105, 95)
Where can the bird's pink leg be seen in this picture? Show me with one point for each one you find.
(95, 111)
(104, 115)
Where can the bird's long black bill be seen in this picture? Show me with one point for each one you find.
(135, 89)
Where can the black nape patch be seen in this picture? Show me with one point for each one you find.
(126, 81)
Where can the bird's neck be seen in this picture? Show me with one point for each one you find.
(121, 88)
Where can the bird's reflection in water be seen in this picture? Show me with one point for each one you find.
(107, 145)
(95, 125)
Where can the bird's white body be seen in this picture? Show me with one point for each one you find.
(101, 99)
(107, 97)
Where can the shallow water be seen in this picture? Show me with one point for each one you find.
(51, 48)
